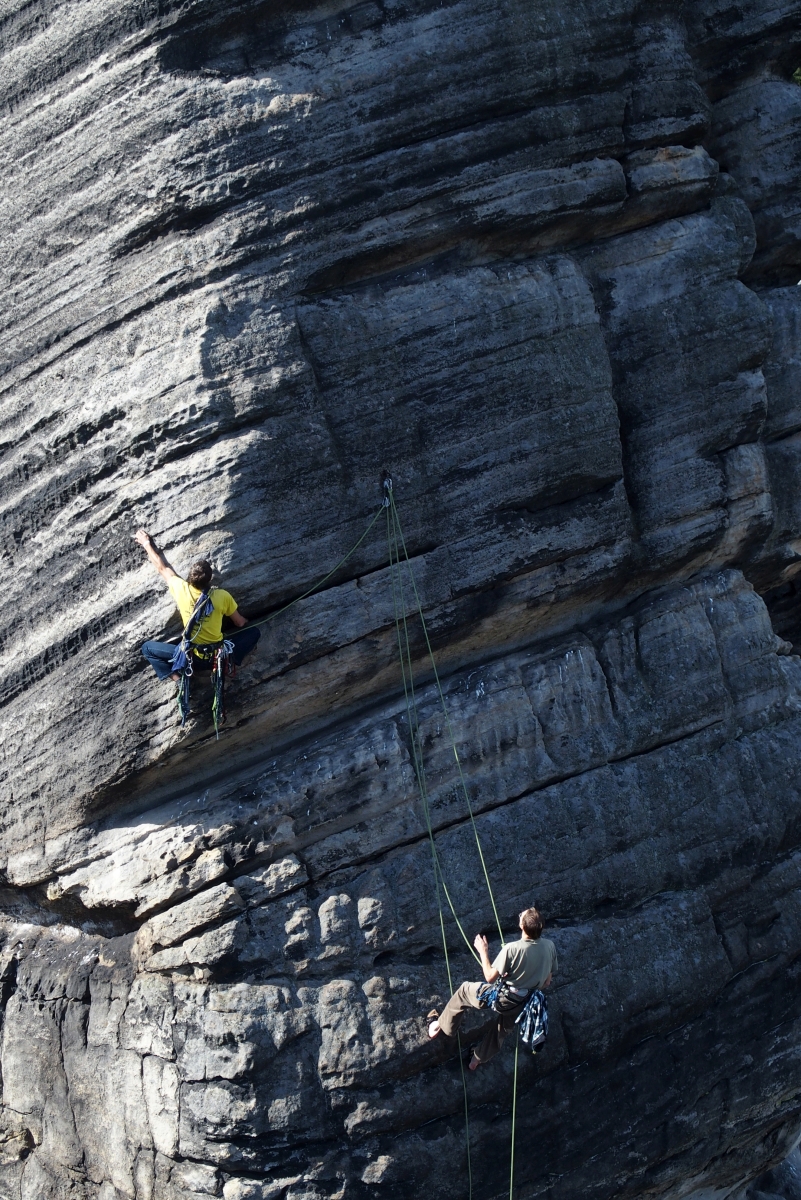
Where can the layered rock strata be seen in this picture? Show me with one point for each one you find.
(539, 265)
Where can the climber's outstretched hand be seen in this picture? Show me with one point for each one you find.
(480, 942)
(482, 945)
(156, 557)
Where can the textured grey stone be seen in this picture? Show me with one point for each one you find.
(537, 262)
(778, 557)
(755, 138)
(677, 317)
(173, 925)
(734, 42)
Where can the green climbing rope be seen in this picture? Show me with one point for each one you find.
(396, 518)
(271, 616)
(419, 771)
(395, 540)
(514, 1119)
(399, 602)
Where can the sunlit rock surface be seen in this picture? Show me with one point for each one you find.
(539, 264)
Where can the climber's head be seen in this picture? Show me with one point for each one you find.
(200, 574)
(531, 923)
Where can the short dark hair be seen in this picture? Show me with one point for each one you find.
(200, 574)
(532, 923)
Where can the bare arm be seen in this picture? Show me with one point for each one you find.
(238, 619)
(482, 945)
(156, 557)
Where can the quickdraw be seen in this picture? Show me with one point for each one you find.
(222, 664)
(217, 653)
(219, 656)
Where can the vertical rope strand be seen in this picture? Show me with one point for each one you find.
(395, 540)
(514, 1117)
(462, 780)
(404, 649)
(417, 756)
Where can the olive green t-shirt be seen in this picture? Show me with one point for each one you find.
(526, 964)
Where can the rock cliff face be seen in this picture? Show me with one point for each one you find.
(539, 262)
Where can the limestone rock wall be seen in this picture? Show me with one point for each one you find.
(538, 262)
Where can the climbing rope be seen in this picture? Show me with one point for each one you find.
(271, 616)
(404, 649)
(514, 1119)
(395, 540)
(399, 534)
(419, 771)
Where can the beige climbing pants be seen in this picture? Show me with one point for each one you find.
(488, 1038)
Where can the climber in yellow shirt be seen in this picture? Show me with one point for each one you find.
(186, 593)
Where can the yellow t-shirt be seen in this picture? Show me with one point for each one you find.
(186, 597)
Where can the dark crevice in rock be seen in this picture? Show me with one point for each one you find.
(784, 606)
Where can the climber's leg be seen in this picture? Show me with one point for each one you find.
(463, 998)
(160, 655)
(494, 1032)
(244, 640)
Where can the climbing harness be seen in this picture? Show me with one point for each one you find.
(219, 657)
(494, 995)
(186, 650)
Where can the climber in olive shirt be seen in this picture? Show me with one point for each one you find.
(523, 966)
(185, 593)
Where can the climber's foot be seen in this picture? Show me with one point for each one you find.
(433, 1029)
(474, 1064)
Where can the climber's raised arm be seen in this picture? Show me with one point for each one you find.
(156, 557)
(482, 945)
(203, 645)
(520, 969)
